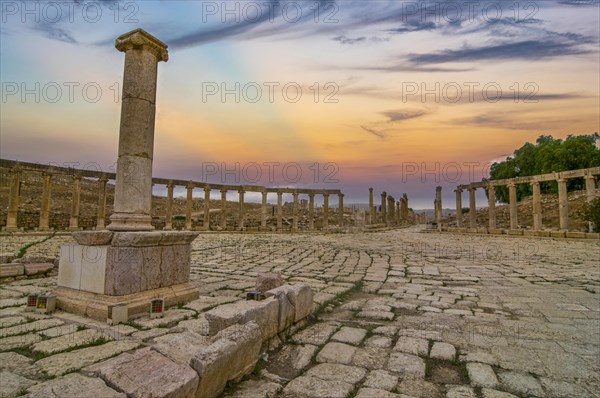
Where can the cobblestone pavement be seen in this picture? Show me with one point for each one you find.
(400, 313)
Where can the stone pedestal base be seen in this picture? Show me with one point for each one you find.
(108, 268)
(98, 306)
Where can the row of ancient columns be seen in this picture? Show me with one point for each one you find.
(391, 213)
(563, 203)
(15, 188)
(44, 223)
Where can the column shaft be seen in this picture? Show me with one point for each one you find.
(383, 207)
(458, 207)
(188, 206)
(325, 210)
(224, 209)
(169, 212)
(512, 204)
(279, 211)
(45, 208)
(206, 221)
(263, 211)
(341, 210)
(371, 207)
(537, 206)
(492, 206)
(241, 210)
(472, 208)
(100, 220)
(563, 204)
(295, 212)
(311, 211)
(13, 200)
(75, 203)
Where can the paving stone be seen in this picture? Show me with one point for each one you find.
(481, 375)
(149, 334)
(443, 351)
(11, 321)
(367, 392)
(60, 364)
(30, 327)
(314, 387)
(412, 345)
(336, 353)
(350, 335)
(19, 364)
(337, 372)
(521, 384)
(12, 342)
(406, 363)
(73, 385)
(379, 341)
(418, 387)
(381, 379)
(317, 334)
(180, 347)
(256, 389)
(145, 373)
(292, 359)
(11, 384)
(371, 357)
(489, 393)
(376, 315)
(170, 316)
(460, 392)
(65, 342)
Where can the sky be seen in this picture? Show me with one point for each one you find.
(401, 96)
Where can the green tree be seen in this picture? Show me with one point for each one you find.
(547, 155)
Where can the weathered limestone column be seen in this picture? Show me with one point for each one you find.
(371, 207)
(563, 204)
(404, 208)
(311, 211)
(169, 215)
(133, 185)
(263, 211)
(206, 222)
(383, 207)
(472, 208)
(398, 211)
(223, 208)
(295, 211)
(188, 206)
(75, 203)
(512, 204)
(438, 207)
(341, 210)
(325, 210)
(492, 206)
(391, 204)
(280, 211)
(537, 206)
(590, 190)
(100, 223)
(45, 208)
(241, 210)
(13, 200)
(458, 207)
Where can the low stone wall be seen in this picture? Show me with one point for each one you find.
(190, 364)
(12, 268)
(525, 232)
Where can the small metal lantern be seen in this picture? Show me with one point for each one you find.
(46, 303)
(157, 308)
(32, 299)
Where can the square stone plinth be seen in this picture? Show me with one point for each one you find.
(108, 268)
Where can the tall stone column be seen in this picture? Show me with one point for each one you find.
(169, 215)
(75, 203)
(295, 211)
(133, 185)
(280, 211)
(206, 222)
(325, 210)
(241, 209)
(398, 211)
(341, 210)
(563, 204)
(458, 207)
(537, 206)
(383, 207)
(390, 210)
(472, 208)
(404, 208)
(263, 211)
(512, 204)
(223, 208)
(13, 200)
(45, 208)
(492, 206)
(590, 190)
(188, 206)
(100, 220)
(311, 211)
(438, 207)
(371, 207)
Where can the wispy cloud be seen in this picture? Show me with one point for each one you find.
(376, 133)
(399, 116)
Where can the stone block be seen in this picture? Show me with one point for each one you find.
(287, 312)
(151, 277)
(7, 270)
(268, 281)
(180, 347)
(233, 354)
(576, 235)
(123, 270)
(515, 232)
(93, 268)
(177, 237)
(592, 235)
(69, 269)
(175, 264)
(481, 375)
(543, 234)
(557, 234)
(482, 230)
(265, 313)
(147, 373)
(302, 300)
(73, 385)
(497, 231)
(93, 238)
